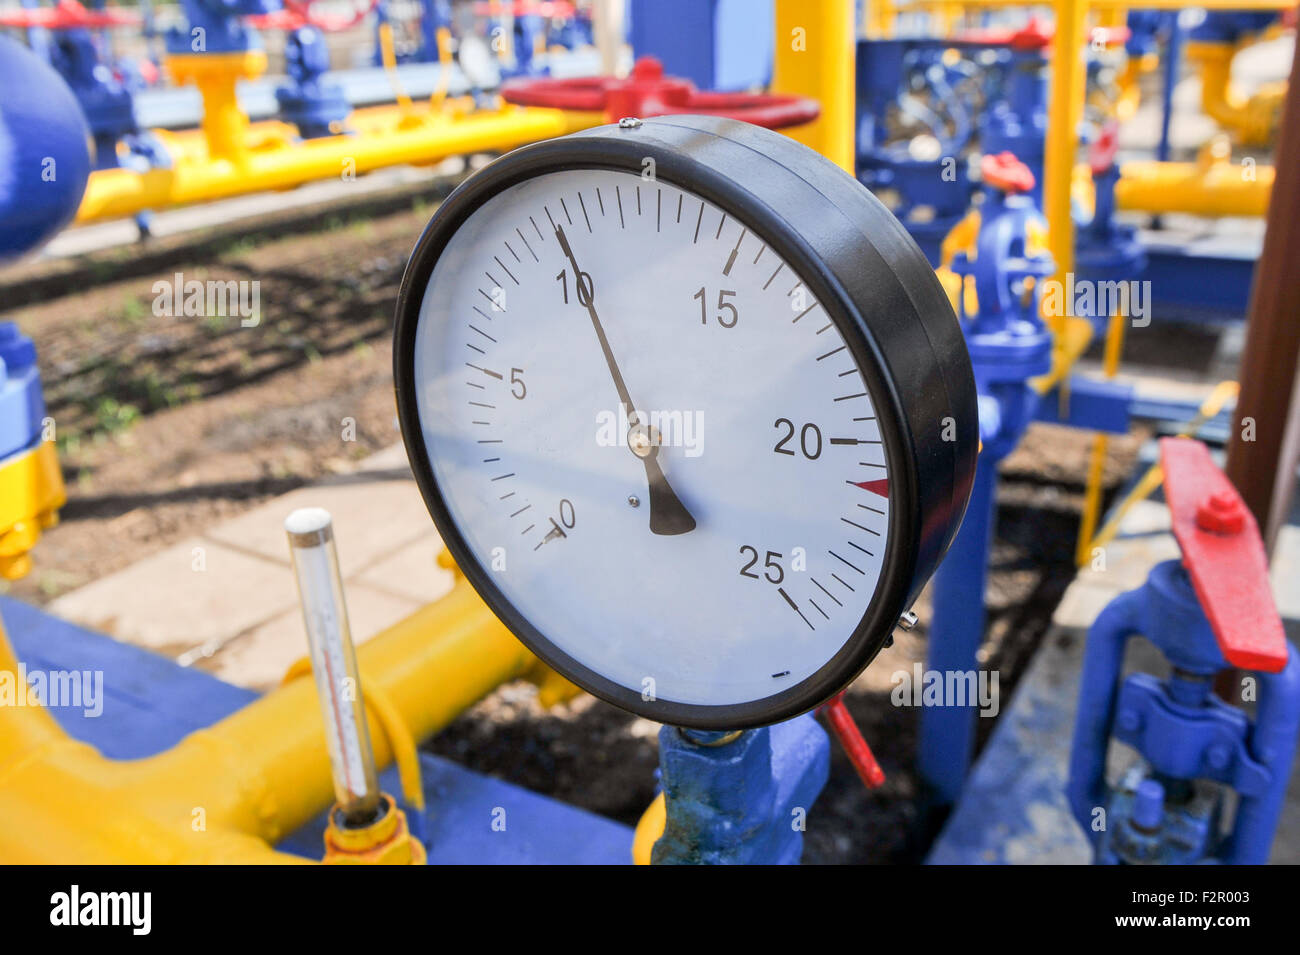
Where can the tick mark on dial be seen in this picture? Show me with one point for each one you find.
(827, 592)
(585, 217)
(507, 271)
(773, 276)
(804, 312)
(527, 246)
(846, 563)
(795, 607)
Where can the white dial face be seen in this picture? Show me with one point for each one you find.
(652, 437)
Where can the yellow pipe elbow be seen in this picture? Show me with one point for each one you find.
(1253, 121)
(227, 792)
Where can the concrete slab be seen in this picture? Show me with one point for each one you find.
(258, 658)
(373, 513)
(237, 616)
(195, 593)
(411, 572)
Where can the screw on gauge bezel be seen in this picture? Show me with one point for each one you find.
(858, 261)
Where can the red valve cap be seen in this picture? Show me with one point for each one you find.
(1224, 557)
(1004, 171)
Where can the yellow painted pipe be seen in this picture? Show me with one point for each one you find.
(913, 5)
(228, 792)
(1195, 188)
(421, 138)
(814, 57)
(1254, 121)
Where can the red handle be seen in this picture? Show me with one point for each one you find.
(850, 737)
(66, 15)
(647, 92)
(1224, 557)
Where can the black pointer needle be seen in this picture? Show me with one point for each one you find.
(668, 515)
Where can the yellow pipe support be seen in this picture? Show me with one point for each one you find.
(1100, 445)
(1067, 88)
(115, 193)
(225, 127)
(815, 53)
(389, 59)
(228, 792)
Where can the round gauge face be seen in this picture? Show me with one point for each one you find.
(752, 560)
(656, 441)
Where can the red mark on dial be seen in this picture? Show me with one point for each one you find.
(880, 487)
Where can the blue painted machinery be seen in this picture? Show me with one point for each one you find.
(925, 177)
(1209, 614)
(311, 101)
(214, 26)
(741, 797)
(44, 160)
(716, 44)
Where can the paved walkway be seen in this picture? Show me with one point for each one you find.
(226, 602)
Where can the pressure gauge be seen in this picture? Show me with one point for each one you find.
(690, 410)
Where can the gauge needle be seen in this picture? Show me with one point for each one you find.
(668, 515)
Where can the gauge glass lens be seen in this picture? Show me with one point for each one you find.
(652, 436)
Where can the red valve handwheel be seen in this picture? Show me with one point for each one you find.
(647, 92)
(1004, 171)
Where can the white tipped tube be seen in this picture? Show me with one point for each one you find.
(334, 663)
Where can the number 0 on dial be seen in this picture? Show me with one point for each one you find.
(691, 411)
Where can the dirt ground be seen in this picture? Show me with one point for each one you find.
(168, 426)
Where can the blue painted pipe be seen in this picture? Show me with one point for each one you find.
(44, 151)
(947, 740)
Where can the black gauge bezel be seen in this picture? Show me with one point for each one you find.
(845, 245)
